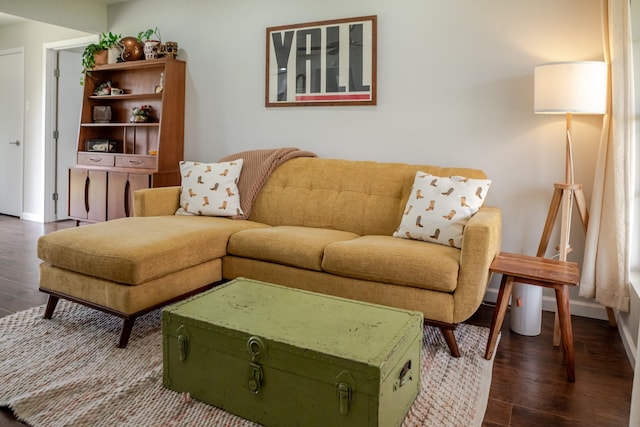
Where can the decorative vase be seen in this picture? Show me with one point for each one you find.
(151, 49)
(113, 53)
(170, 49)
(132, 49)
(101, 57)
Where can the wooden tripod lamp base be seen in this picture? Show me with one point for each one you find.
(569, 87)
(564, 195)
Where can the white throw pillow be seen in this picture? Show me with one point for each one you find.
(210, 189)
(439, 207)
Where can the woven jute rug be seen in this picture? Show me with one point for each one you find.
(67, 371)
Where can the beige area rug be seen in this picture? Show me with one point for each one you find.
(67, 371)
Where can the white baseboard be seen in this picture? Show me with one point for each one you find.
(627, 341)
(32, 217)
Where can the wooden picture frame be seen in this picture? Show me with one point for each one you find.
(322, 63)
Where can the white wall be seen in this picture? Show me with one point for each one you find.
(31, 36)
(86, 15)
(455, 87)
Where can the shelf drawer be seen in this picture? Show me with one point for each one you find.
(140, 162)
(95, 159)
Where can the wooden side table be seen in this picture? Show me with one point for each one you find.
(545, 272)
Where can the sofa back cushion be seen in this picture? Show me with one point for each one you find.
(362, 197)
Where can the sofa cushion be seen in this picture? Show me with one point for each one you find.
(301, 247)
(439, 207)
(362, 197)
(397, 261)
(137, 249)
(210, 189)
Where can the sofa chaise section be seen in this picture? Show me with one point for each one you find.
(130, 266)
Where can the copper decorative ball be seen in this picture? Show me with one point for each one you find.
(132, 49)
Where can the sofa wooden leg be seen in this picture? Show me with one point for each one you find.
(52, 302)
(450, 338)
(127, 326)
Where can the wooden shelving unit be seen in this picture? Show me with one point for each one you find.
(143, 155)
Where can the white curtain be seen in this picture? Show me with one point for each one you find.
(606, 264)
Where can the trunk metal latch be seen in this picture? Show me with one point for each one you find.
(345, 384)
(183, 342)
(255, 377)
(255, 346)
(344, 397)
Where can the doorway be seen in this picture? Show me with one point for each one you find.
(11, 130)
(63, 94)
(65, 139)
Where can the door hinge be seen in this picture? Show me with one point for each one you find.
(54, 197)
(56, 134)
(56, 73)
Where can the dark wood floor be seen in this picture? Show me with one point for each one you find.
(529, 386)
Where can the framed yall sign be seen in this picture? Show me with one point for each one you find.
(322, 63)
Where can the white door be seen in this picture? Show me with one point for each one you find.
(11, 131)
(69, 98)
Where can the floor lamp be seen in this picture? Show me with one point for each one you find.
(568, 88)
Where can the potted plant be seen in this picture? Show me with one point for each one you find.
(111, 42)
(98, 53)
(92, 56)
(150, 45)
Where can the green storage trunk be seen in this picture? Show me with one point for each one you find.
(284, 357)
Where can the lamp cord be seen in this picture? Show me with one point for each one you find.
(571, 182)
(570, 154)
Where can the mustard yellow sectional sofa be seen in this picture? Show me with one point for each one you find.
(323, 225)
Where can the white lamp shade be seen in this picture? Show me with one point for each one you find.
(570, 87)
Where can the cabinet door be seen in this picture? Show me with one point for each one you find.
(96, 195)
(78, 180)
(120, 194)
(87, 194)
(116, 195)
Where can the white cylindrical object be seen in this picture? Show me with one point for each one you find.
(526, 309)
